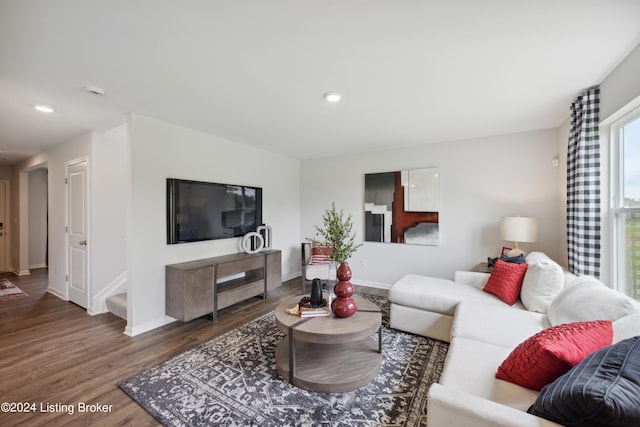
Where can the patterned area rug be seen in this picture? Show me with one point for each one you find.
(9, 291)
(232, 380)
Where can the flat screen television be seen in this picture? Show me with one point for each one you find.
(206, 211)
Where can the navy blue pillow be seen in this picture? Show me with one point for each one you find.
(518, 259)
(602, 390)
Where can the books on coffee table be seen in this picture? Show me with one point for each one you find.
(314, 311)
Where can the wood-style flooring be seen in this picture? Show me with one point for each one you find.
(55, 357)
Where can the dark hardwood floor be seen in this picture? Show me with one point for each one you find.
(54, 356)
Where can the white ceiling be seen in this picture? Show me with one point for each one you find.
(254, 71)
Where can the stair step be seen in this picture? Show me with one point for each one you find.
(117, 304)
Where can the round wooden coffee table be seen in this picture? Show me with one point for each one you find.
(329, 354)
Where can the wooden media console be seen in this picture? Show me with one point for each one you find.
(194, 289)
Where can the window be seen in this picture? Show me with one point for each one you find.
(625, 178)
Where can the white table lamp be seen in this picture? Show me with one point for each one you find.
(518, 229)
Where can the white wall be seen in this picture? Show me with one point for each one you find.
(38, 184)
(621, 86)
(55, 159)
(6, 174)
(563, 145)
(110, 177)
(106, 152)
(160, 150)
(481, 180)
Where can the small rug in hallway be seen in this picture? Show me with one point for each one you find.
(9, 291)
(232, 380)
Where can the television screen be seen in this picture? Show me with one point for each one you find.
(207, 211)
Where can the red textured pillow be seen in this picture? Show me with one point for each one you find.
(319, 254)
(505, 281)
(320, 250)
(547, 355)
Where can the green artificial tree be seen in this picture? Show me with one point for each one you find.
(336, 233)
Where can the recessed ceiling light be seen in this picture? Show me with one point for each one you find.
(43, 108)
(332, 96)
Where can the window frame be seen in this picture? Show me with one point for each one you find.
(617, 209)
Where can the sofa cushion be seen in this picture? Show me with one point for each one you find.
(474, 321)
(626, 327)
(435, 294)
(542, 282)
(603, 390)
(470, 366)
(506, 280)
(589, 299)
(536, 257)
(550, 353)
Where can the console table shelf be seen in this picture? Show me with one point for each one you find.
(194, 289)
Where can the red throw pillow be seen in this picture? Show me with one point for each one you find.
(319, 254)
(320, 250)
(547, 355)
(319, 259)
(505, 281)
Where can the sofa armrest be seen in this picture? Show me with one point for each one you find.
(447, 406)
(473, 278)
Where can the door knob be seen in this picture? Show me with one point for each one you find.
(83, 243)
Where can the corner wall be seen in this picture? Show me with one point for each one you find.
(161, 150)
(481, 180)
(38, 188)
(621, 86)
(55, 160)
(563, 147)
(6, 174)
(107, 219)
(109, 201)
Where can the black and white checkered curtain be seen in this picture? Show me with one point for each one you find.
(583, 185)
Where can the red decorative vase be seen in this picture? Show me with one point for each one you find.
(343, 273)
(343, 305)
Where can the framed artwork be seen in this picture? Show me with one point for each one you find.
(402, 206)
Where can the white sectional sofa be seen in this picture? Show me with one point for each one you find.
(483, 330)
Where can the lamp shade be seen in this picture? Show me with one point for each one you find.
(519, 229)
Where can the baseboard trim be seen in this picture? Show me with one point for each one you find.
(58, 294)
(36, 266)
(20, 272)
(146, 327)
(372, 284)
(291, 276)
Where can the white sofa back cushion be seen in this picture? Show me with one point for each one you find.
(542, 282)
(626, 327)
(535, 257)
(589, 299)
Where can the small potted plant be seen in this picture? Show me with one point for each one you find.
(337, 235)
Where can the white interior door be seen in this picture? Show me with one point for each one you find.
(3, 226)
(77, 215)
